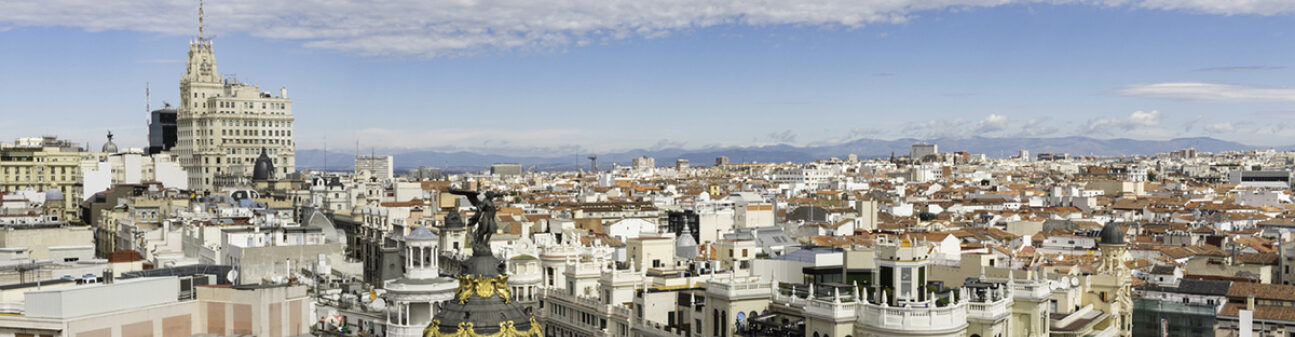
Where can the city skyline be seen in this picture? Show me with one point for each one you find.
(1132, 69)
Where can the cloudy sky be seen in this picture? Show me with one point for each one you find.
(570, 76)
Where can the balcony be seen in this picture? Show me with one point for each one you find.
(913, 320)
(654, 329)
(1028, 290)
(588, 302)
(836, 311)
(741, 287)
(989, 311)
(403, 330)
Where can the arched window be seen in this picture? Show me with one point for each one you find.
(715, 317)
(723, 331)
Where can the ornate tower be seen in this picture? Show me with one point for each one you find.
(483, 304)
(413, 299)
(200, 81)
(222, 125)
(1112, 285)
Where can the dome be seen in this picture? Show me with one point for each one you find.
(53, 194)
(1112, 234)
(264, 168)
(109, 147)
(477, 315)
(685, 247)
(421, 233)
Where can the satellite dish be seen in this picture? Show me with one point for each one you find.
(232, 276)
(1074, 281)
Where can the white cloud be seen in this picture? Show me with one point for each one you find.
(956, 128)
(784, 137)
(1220, 127)
(936, 128)
(1225, 7)
(993, 123)
(545, 142)
(1035, 127)
(1136, 120)
(1200, 91)
(451, 27)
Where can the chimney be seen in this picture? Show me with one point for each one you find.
(1250, 302)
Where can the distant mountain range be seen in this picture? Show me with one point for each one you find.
(865, 148)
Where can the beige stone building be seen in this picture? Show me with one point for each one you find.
(43, 164)
(157, 307)
(224, 124)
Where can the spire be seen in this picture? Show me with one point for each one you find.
(201, 25)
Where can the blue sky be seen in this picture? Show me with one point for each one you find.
(568, 81)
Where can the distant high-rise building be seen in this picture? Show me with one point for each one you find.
(1025, 155)
(506, 169)
(682, 165)
(378, 166)
(921, 150)
(161, 130)
(852, 157)
(721, 161)
(644, 163)
(427, 173)
(222, 124)
(1187, 153)
(1053, 156)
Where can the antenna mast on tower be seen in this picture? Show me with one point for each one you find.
(201, 26)
(148, 108)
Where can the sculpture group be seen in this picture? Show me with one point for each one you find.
(483, 220)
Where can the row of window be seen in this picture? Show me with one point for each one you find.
(263, 133)
(39, 170)
(38, 178)
(251, 105)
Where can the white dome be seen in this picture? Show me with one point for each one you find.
(53, 194)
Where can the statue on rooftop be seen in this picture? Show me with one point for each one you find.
(483, 219)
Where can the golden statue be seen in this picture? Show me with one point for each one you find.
(483, 287)
(501, 287)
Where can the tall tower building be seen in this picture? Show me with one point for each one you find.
(223, 124)
(1110, 289)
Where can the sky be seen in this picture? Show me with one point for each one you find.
(561, 77)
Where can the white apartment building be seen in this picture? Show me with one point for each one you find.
(223, 125)
(100, 174)
(378, 166)
(644, 163)
(803, 175)
(921, 150)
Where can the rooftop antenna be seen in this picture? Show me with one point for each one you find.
(325, 155)
(201, 26)
(593, 163)
(147, 105)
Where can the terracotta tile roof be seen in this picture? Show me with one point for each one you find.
(1277, 292)
(1263, 312)
(1258, 258)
